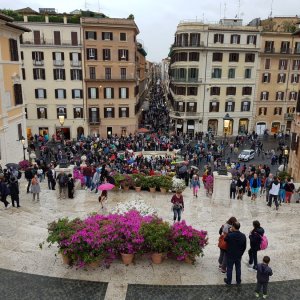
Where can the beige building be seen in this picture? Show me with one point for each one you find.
(12, 115)
(213, 75)
(53, 75)
(114, 75)
(278, 81)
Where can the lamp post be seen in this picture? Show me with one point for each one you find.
(23, 144)
(61, 121)
(286, 155)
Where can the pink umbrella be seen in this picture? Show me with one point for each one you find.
(105, 187)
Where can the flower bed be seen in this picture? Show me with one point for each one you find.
(138, 205)
(106, 237)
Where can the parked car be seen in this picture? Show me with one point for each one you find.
(246, 155)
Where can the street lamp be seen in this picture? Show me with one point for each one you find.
(23, 144)
(286, 155)
(61, 121)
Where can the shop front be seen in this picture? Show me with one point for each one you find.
(275, 127)
(261, 128)
(191, 128)
(63, 132)
(243, 126)
(212, 126)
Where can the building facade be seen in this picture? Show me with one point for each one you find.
(12, 114)
(278, 82)
(114, 75)
(52, 73)
(213, 75)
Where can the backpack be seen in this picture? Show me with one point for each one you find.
(264, 242)
(233, 185)
(63, 180)
(49, 174)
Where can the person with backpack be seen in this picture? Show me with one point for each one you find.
(14, 191)
(195, 184)
(51, 178)
(268, 185)
(70, 186)
(289, 190)
(274, 192)
(35, 187)
(62, 180)
(28, 176)
(255, 238)
(233, 188)
(4, 191)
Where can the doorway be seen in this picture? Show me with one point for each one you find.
(109, 131)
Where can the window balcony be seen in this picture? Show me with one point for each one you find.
(94, 121)
(289, 117)
(58, 63)
(76, 64)
(38, 62)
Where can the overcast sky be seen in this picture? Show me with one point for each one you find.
(157, 19)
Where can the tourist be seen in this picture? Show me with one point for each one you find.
(237, 244)
(255, 238)
(233, 188)
(209, 184)
(102, 197)
(223, 250)
(273, 192)
(28, 176)
(96, 180)
(40, 173)
(51, 178)
(282, 191)
(70, 186)
(241, 186)
(14, 191)
(289, 190)
(35, 187)
(4, 191)
(255, 185)
(263, 275)
(195, 183)
(178, 205)
(62, 179)
(268, 185)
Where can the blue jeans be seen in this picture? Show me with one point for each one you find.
(177, 214)
(230, 262)
(88, 180)
(281, 195)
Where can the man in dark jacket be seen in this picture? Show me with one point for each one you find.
(28, 176)
(14, 191)
(255, 240)
(237, 244)
(263, 274)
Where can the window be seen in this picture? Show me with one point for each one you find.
(293, 95)
(245, 106)
(59, 74)
(231, 73)
(285, 47)
(233, 57)
(42, 113)
(123, 112)
(216, 73)
(39, 73)
(295, 78)
(297, 48)
(281, 78)
(75, 59)
(251, 39)
(94, 115)
(249, 57)
(91, 54)
(215, 91)
(235, 39)
(106, 54)
(180, 90)
(107, 36)
(22, 55)
(231, 91)
(57, 40)
(269, 46)
(93, 93)
(107, 73)
(219, 38)
(40, 93)
(194, 56)
(229, 106)
(279, 95)
(13, 49)
(36, 37)
(91, 35)
(267, 63)
(92, 72)
(192, 91)
(78, 112)
(38, 58)
(182, 56)
(123, 73)
(60, 94)
(262, 111)
(247, 90)
(123, 54)
(193, 74)
(19, 132)
(123, 36)
(248, 73)
(180, 106)
(264, 96)
(23, 73)
(217, 56)
(108, 93)
(191, 107)
(77, 94)
(214, 106)
(290, 109)
(195, 39)
(109, 112)
(76, 74)
(296, 64)
(18, 94)
(277, 111)
(123, 93)
(58, 58)
(283, 64)
(61, 111)
(74, 38)
(266, 77)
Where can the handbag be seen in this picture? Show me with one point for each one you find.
(222, 243)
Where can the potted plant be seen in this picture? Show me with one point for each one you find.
(151, 183)
(178, 184)
(156, 238)
(187, 242)
(165, 183)
(24, 164)
(137, 182)
(119, 178)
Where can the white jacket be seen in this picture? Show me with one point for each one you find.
(275, 189)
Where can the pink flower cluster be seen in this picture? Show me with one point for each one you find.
(77, 175)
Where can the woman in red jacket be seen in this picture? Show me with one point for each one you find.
(178, 205)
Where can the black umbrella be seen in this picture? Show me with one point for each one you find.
(12, 166)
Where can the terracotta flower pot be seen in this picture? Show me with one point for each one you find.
(163, 190)
(152, 190)
(94, 264)
(126, 188)
(157, 258)
(66, 259)
(127, 258)
(190, 260)
(138, 188)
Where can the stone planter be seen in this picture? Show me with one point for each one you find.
(127, 258)
(157, 258)
(152, 190)
(138, 188)
(163, 190)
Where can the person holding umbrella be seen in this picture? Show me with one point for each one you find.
(104, 187)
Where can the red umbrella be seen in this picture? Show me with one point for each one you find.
(105, 187)
(143, 130)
